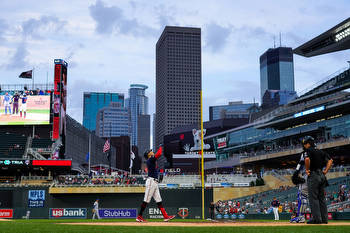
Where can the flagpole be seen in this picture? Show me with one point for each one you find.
(89, 152)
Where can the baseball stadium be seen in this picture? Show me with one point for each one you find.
(50, 182)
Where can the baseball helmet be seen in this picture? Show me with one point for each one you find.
(146, 153)
(308, 139)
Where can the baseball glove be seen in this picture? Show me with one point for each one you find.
(296, 179)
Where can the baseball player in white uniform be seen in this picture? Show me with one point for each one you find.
(95, 210)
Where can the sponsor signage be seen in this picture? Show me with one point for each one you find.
(36, 198)
(313, 110)
(67, 213)
(221, 142)
(118, 213)
(10, 162)
(6, 213)
(241, 185)
(64, 163)
(155, 213)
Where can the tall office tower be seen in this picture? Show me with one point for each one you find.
(94, 101)
(236, 109)
(113, 121)
(276, 70)
(178, 79)
(154, 132)
(138, 105)
(143, 133)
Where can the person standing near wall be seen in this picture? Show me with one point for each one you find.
(275, 204)
(95, 210)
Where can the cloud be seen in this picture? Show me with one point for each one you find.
(3, 29)
(112, 19)
(40, 28)
(18, 59)
(216, 37)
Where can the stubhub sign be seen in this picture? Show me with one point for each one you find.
(68, 213)
(118, 213)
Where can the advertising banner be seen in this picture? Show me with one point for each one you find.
(67, 213)
(36, 198)
(6, 213)
(118, 213)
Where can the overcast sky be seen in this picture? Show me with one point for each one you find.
(110, 44)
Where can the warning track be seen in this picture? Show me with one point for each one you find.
(204, 224)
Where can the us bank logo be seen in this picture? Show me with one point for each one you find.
(68, 213)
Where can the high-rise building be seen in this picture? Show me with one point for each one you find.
(275, 98)
(143, 133)
(93, 102)
(276, 70)
(138, 105)
(235, 110)
(113, 121)
(178, 79)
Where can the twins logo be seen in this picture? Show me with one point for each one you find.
(183, 212)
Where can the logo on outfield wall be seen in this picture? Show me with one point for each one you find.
(183, 212)
(6, 213)
(68, 213)
(117, 213)
(36, 198)
(155, 213)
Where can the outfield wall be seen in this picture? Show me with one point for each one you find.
(180, 202)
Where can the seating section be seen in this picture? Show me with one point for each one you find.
(12, 145)
(287, 195)
(41, 143)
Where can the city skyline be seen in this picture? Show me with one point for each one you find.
(234, 36)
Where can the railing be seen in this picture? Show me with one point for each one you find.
(324, 80)
(17, 87)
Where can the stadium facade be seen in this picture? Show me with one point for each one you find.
(273, 139)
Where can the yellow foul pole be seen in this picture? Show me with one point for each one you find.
(202, 143)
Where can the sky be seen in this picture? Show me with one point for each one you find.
(110, 44)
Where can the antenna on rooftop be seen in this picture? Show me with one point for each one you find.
(274, 42)
(280, 40)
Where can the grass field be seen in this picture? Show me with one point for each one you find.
(54, 226)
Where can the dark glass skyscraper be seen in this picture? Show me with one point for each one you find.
(94, 101)
(178, 79)
(276, 70)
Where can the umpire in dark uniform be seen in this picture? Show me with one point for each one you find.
(315, 160)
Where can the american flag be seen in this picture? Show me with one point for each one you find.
(107, 146)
